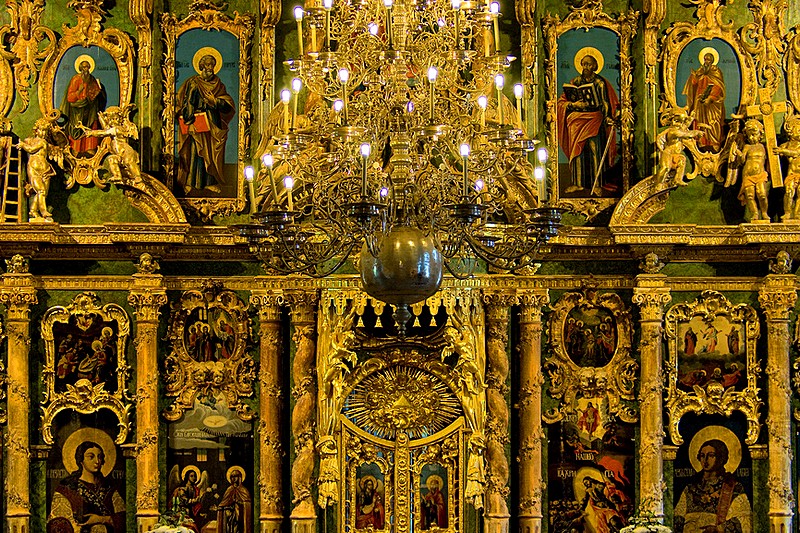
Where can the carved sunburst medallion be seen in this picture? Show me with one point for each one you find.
(402, 399)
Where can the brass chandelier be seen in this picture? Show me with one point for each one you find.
(408, 151)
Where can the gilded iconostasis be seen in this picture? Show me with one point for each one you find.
(162, 370)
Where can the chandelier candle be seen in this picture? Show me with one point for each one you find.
(499, 82)
(298, 16)
(344, 75)
(267, 160)
(495, 10)
(388, 4)
(365, 151)
(457, 15)
(248, 177)
(297, 85)
(286, 95)
(465, 182)
(483, 103)
(519, 92)
(328, 5)
(288, 184)
(433, 72)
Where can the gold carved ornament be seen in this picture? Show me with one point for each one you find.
(208, 335)
(86, 395)
(87, 32)
(206, 16)
(712, 396)
(587, 15)
(568, 380)
(3, 379)
(792, 59)
(711, 24)
(24, 35)
(140, 12)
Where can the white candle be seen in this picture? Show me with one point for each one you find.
(286, 95)
(519, 92)
(499, 82)
(483, 103)
(495, 9)
(298, 16)
(297, 85)
(288, 184)
(248, 176)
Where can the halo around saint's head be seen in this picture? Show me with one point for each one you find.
(363, 481)
(708, 50)
(190, 468)
(577, 483)
(720, 433)
(233, 469)
(434, 477)
(589, 51)
(80, 59)
(94, 435)
(207, 51)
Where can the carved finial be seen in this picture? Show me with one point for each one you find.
(782, 264)
(146, 264)
(17, 265)
(651, 264)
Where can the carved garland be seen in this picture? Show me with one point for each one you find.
(568, 380)
(712, 397)
(590, 15)
(201, 16)
(198, 364)
(85, 396)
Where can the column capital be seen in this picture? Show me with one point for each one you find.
(651, 296)
(531, 302)
(777, 296)
(268, 303)
(302, 304)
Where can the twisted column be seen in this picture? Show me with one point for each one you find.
(651, 295)
(271, 405)
(303, 306)
(777, 297)
(17, 294)
(531, 481)
(147, 295)
(497, 311)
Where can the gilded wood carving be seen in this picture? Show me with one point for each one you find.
(92, 64)
(29, 42)
(793, 68)
(585, 172)
(85, 363)
(207, 40)
(209, 331)
(140, 12)
(3, 378)
(590, 338)
(711, 363)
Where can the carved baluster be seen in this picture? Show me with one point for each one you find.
(17, 293)
(651, 295)
(531, 484)
(271, 406)
(497, 490)
(777, 298)
(303, 306)
(147, 296)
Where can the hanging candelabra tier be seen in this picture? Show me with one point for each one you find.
(396, 138)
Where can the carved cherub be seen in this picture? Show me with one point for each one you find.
(39, 170)
(670, 143)
(791, 150)
(123, 159)
(751, 159)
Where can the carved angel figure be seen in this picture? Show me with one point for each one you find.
(791, 150)
(39, 170)
(751, 159)
(123, 161)
(671, 158)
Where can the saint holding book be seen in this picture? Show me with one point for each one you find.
(586, 133)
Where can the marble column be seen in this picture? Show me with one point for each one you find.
(497, 304)
(17, 294)
(651, 295)
(303, 307)
(147, 295)
(531, 480)
(777, 297)
(270, 429)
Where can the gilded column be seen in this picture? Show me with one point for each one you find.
(531, 481)
(303, 307)
(147, 296)
(270, 408)
(17, 294)
(651, 295)
(777, 297)
(497, 311)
